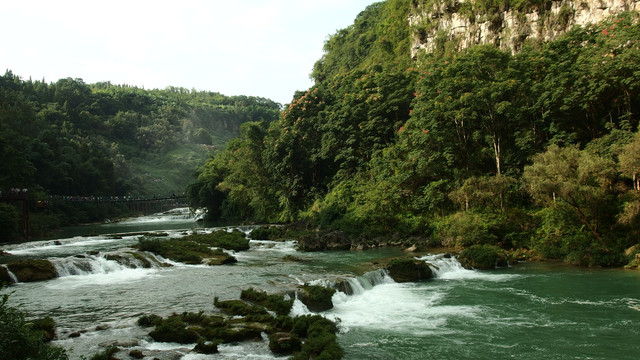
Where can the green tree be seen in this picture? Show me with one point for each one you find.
(579, 180)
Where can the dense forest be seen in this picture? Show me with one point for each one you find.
(69, 138)
(537, 151)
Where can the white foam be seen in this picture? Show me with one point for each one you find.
(404, 308)
(101, 279)
(449, 268)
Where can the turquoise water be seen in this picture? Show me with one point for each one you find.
(528, 311)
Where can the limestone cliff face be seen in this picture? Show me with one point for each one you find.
(461, 24)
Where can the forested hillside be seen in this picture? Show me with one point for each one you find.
(536, 150)
(69, 138)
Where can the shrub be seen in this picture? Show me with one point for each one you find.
(20, 339)
(483, 257)
(465, 229)
(149, 320)
(266, 233)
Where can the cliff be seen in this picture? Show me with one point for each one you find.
(458, 24)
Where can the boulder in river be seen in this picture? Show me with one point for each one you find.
(316, 298)
(33, 270)
(408, 270)
(483, 257)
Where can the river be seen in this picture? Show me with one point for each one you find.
(527, 311)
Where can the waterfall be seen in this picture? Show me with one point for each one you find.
(447, 267)
(13, 277)
(358, 285)
(102, 263)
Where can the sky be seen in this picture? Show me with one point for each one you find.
(261, 48)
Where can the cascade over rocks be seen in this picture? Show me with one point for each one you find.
(4, 275)
(33, 270)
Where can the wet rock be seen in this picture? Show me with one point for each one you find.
(136, 354)
(206, 347)
(408, 270)
(33, 270)
(4, 275)
(344, 286)
(316, 298)
(412, 248)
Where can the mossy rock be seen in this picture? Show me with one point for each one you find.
(235, 240)
(33, 270)
(483, 257)
(408, 270)
(276, 303)
(220, 258)
(316, 298)
(173, 329)
(284, 343)
(267, 233)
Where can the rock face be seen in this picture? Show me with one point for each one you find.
(408, 270)
(33, 270)
(464, 24)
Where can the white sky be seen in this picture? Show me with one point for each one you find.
(236, 47)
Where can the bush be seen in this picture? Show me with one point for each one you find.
(20, 339)
(483, 257)
(465, 229)
(149, 320)
(321, 341)
(266, 233)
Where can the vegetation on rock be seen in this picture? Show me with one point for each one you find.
(316, 297)
(408, 270)
(304, 336)
(21, 339)
(187, 251)
(483, 257)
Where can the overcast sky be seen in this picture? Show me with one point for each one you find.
(236, 47)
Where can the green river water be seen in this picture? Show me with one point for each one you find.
(527, 311)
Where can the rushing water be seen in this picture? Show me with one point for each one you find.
(528, 311)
